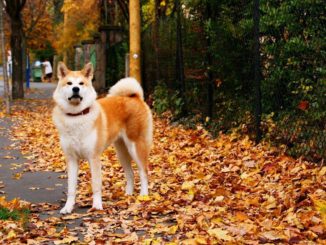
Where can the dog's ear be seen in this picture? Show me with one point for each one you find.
(88, 71)
(62, 70)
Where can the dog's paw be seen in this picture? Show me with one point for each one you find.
(129, 192)
(144, 192)
(97, 202)
(97, 206)
(67, 209)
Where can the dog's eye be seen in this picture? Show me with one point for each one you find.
(81, 83)
(69, 83)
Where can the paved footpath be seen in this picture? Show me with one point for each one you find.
(35, 187)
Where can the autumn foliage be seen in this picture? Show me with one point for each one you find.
(81, 20)
(38, 24)
(202, 190)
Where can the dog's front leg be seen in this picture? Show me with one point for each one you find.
(96, 183)
(72, 164)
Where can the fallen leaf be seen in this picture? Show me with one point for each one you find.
(17, 176)
(12, 234)
(220, 234)
(272, 235)
(66, 240)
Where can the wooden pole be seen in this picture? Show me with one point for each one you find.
(4, 63)
(134, 39)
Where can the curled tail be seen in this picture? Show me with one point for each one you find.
(128, 87)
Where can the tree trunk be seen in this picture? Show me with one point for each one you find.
(156, 25)
(257, 72)
(179, 50)
(14, 8)
(210, 83)
(16, 43)
(181, 85)
(134, 39)
(4, 61)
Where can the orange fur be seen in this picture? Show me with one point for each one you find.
(127, 113)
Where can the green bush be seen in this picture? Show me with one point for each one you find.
(161, 102)
(165, 100)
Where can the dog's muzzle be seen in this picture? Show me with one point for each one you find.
(75, 96)
(75, 99)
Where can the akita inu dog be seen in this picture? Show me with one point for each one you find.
(88, 126)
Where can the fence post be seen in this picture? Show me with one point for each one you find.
(28, 71)
(127, 65)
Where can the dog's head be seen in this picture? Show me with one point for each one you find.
(75, 91)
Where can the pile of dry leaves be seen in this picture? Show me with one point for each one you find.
(202, 191)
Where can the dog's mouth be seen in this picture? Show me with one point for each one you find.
(75, 99)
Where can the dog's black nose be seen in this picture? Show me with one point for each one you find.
(75, 89)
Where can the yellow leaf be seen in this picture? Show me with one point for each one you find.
(14, 204)
(3, 201)
(17, 176)
(189, 242)
(157, 196)
(147, 241)
(322, 172)
(187, 185)
(84, 166)
(220, 234)
(144, 198)
(273, 235)
(173, 229)
(156, 241)
(119, 184)
(201, 240)
(191, 194)
(172, 159)
(270, 202)
(244, 175)
(217, 220)
(11, 234)
(51, 231)
(321, 207)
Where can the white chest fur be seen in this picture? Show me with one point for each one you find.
(78, 134)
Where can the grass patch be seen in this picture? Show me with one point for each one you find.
(6, 214)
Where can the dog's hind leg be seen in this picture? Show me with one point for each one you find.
(96, 182)
(141, 158)
(72, 168)
(125, 160)
(139, 154)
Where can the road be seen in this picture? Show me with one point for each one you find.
(43, 86)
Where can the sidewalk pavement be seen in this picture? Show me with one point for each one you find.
(47, 90)
(35, 187)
